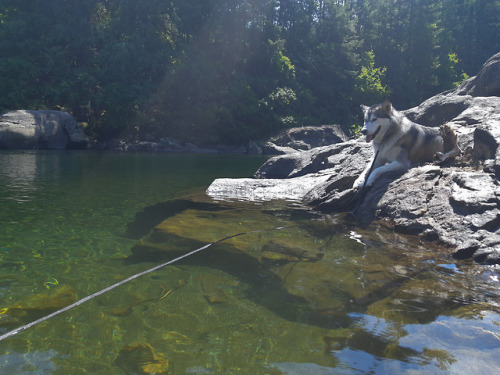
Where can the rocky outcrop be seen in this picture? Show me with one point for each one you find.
(304, 138)
(448, 105)
(40, 130)
(456, 205)
(296, 175)
(486, 82)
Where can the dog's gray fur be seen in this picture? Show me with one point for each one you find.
(400, 142)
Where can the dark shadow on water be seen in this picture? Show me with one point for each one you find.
(153, 215)
(265, 288)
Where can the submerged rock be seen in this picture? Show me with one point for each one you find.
(141, 359)
(261, 245)
(42, 303)
(214, 289)
(457, 205)
(317, 269)
(283, 252)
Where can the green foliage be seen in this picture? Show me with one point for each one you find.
(448, 72)
(355, 130)
(282, 97)
(210, 71)
(369, 86)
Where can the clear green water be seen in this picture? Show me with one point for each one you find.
(322, 297)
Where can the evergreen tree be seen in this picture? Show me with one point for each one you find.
(209, 71)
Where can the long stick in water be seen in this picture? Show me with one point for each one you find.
(88, 298)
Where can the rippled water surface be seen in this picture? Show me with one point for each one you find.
(318, 296)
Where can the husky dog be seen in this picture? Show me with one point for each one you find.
(398, 142)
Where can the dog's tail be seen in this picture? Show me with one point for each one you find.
(450, 145)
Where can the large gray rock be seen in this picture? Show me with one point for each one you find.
(486, 82)
(255, 190)
(297, 175)
(472, 105)
(300, 163)
(454, 207)
(40, 130)
(457, 205)
(304, 138)
(439, 109)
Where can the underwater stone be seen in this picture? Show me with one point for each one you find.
(141, 359)
(56, 299)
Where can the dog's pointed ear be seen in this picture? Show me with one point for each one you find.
(364, 108)
(386, 106)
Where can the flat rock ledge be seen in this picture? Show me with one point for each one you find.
(456, 205)
(249, 189)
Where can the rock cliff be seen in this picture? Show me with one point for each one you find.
(456, 205)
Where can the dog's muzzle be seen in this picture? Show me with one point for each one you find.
(370, 137)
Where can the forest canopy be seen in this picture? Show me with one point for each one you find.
(230, 71)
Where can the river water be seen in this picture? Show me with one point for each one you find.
(320, 296)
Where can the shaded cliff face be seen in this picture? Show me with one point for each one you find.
(456, 205)
(52, 130)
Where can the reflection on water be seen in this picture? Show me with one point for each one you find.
(28, 363)
(321, 296)
(18, 175)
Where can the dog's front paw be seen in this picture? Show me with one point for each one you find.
(360, 181)
(438, 158)
(371, 180)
